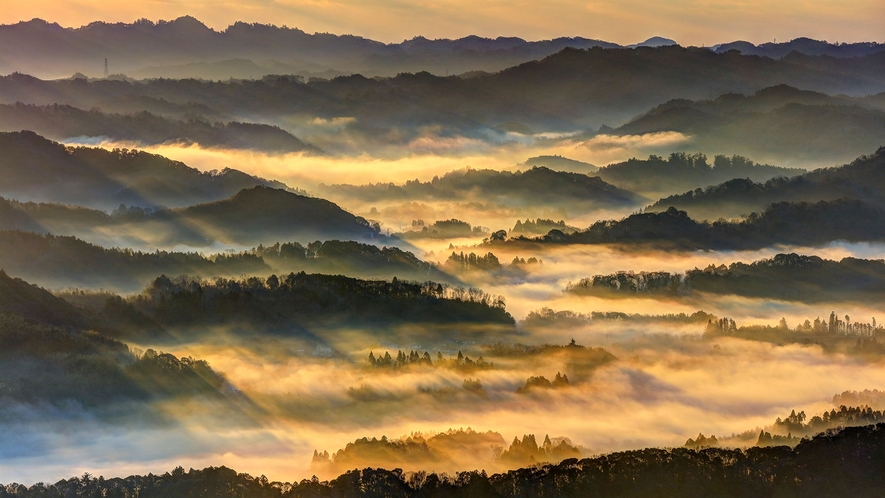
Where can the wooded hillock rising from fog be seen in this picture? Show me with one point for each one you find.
(33, 168)
(835, 463)
(63, 122)
(863, 179)
(785, 276)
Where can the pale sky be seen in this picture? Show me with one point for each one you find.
(689, 22)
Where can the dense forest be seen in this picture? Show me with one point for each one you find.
(859, 180)
(783, 276)
(33, 168)
(835, 463)
(61, 122)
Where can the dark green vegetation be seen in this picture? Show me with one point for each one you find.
(863, 179)
(574, 191)
(804, 224)
(839, 463)
(571, 89)
(552, 319)
(33, 168)
(60, 122)
(69, 262)
(539, 226)
(255, 215)
(657, 176)
(779, 123)
(785, 276)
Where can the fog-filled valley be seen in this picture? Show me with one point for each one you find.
(478, 267)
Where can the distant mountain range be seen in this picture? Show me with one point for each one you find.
(185, 47)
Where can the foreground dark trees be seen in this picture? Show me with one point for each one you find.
(849, 462)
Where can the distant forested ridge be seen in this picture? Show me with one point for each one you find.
(789, 223)
(680, 172)
(33, 168)
(561, 189)
(61, 122)
(863, 179)
(790, 277)
(254, 215)
(570, 89)
(64, 261)
(836, 463)
(779, 123)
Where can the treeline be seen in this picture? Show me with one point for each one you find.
(539, 226)
(402, 360)
(833, 464)
(547, 317)
(791, 277)
(520, 188)
(681, 171)
(796, 427)
(63, 121)
(291, 302)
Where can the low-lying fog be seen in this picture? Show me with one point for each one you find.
(665, 383)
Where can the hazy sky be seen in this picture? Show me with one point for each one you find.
(690, 22)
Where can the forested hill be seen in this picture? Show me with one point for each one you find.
(34, 168)
(804, 224)
(863, 179)
(791, 277)
(779, 123)
(561, 189)
(658, 176)
(838, 463)
(61, 122)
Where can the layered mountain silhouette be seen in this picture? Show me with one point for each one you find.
(862, 179)
(779, 123)
(570, 90)
(34, 168)
(252, 216)
(572, 191)
(60, 122)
